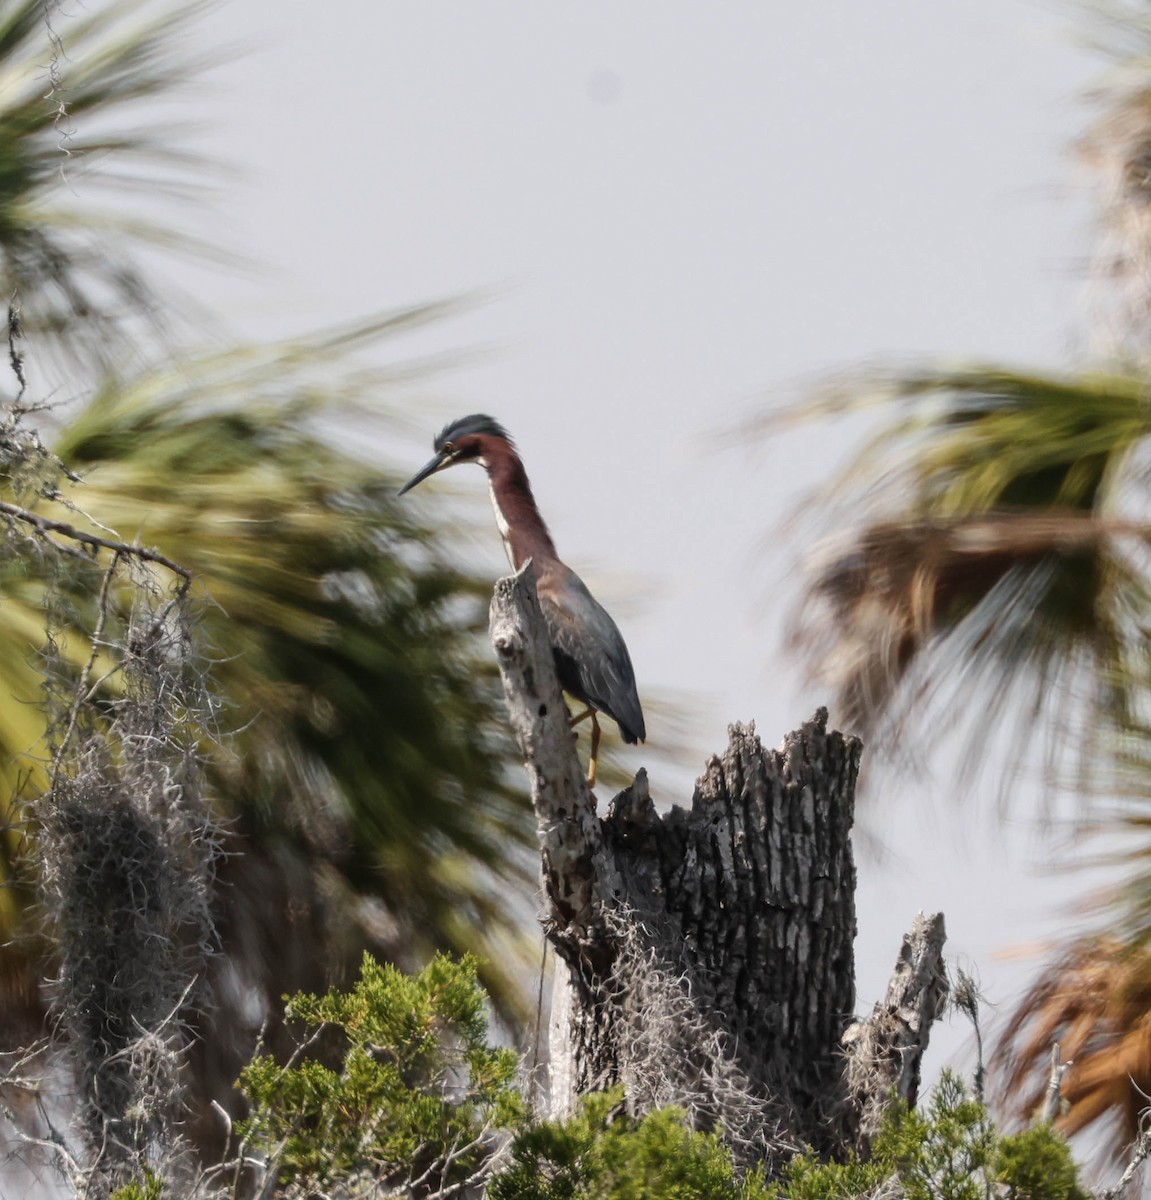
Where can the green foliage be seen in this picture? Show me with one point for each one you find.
(362, 743)
(361, 705)
(945, 1153)
(951, 1151)
(601, 1154)
(81, 92)
(809, 1179)
(1036, 1164)
(151, 1187)
(394, 1081)
(361, 735)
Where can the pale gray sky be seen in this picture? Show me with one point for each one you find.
(676, 210)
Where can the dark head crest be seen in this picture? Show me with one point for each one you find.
(476, 423)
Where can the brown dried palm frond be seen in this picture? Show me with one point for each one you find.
(1095, 1001)
(1017, 580)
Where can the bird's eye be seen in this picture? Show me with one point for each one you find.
(448, 449)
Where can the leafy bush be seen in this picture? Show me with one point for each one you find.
(601, 1154)
(950, 1151)
(394, 1088)
(1036, 1164)
(393, 1083)
(150, 1188)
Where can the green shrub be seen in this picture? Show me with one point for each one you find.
(410, 1090)
(151, 1187)
(1037, 1165)
(601, 1154)
(395, 1083)
(950, 1151)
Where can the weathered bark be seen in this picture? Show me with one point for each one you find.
(885, 1052)
(708, 952)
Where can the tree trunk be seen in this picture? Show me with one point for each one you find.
(707, 954)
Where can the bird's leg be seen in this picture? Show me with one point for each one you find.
(594, 749)
(583, 716)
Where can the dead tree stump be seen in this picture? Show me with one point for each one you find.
(707, 954)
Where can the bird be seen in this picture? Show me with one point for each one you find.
(591, 657)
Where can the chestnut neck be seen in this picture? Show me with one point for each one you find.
(521, 526)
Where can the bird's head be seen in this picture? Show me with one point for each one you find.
(458, 442)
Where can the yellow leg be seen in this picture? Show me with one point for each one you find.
(583, 716)
(594, 749)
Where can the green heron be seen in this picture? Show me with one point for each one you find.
(591, 659)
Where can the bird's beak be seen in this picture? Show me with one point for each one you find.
(438, 463)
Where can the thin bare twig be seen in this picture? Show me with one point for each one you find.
(85, 674)
(1054, 1086)
(533, 1073)
(46, 526)
(1142, 1149)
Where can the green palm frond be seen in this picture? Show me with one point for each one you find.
(970, 439)
(71, 83)
(993, 570)
(360, 762)
(360, 730)
(987, 543)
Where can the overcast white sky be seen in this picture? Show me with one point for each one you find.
(675, 211)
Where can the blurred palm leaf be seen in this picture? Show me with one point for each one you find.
(344, 638)
(359, 757)
(992, 561)
(343, 642)
(1095, 1001)
(71, 84)
(361, 761)
(988, 540)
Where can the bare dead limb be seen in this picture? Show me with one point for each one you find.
(45, 526)
(885, 1051)
(569, 831)
(1138, 1155)
(1054, 1097)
